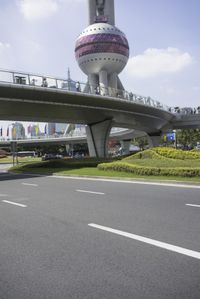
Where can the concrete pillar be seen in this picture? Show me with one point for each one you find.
(125, 144)
(87, 88)
(103, 82)
(120, 88)
(119, 84)
(154, 139)
(97, 138)
(93, 82)
(110, 11)
(67, 148)
(92, 11)
(112, 83)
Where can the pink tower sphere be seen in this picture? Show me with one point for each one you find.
(102, 46)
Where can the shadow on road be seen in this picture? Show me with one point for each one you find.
(4, 176)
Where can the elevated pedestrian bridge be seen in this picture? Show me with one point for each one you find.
(25, 97)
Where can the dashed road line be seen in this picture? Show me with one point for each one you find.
(15, 203)
(192, 205)
(92, 192)
(29, 184)
(177, 249)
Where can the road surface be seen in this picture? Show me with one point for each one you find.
(81, 238)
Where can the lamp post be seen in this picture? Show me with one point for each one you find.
(175, 139)
(13, 145)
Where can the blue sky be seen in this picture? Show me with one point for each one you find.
(38, 36)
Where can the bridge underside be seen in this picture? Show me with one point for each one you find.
(26, 103)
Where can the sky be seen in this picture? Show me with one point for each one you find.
(38, 36)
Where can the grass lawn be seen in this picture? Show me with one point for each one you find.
(9, 160)
(94, 172)
(147, 159)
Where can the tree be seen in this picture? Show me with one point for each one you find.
(141, 142)
(188, 137)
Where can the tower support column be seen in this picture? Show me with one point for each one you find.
(92, 11)
(110, 11)
(103, 82)
(113, 84)
(93, 83)
(97, 138)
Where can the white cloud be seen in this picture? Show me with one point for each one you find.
(41, 9)
(4, 46)
(154, 62)
(37, 9)
(196, 88)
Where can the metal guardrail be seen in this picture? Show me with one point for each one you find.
(17, 77)
(74, 134)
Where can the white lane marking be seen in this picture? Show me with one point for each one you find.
(192, 205)
(177, 185)
(28, 184)
(167, 246)
(92, 192)
(15, 203)
(171, 184)
(3, 195)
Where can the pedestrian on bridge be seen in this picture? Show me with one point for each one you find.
(44, 82)
(78, 86)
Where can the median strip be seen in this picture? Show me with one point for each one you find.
(14, 203)
(177, 249)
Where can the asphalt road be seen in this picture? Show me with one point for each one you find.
(80, 238)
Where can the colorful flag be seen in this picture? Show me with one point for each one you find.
(14, 132)
(37, 130)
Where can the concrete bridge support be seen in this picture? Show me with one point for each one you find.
(154, 139)
(125, 144)
(97, 137)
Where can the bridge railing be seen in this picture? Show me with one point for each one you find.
(16, 77)
(73, 134)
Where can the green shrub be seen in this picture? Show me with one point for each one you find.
(146, 154)
(64, 164)
(175, 153)
(2, 156)
(140, 170)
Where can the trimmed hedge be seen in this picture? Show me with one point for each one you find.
(140, 170)
(147, 154)
(176, 154)
(163, 153)
(64, 163)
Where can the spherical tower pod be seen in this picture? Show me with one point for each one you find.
(102, 52)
